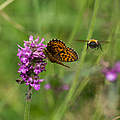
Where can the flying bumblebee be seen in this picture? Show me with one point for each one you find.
(92, 43)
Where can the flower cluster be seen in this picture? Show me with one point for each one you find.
(47, 86)
(63, 87)
(112, 73)
(31, 62)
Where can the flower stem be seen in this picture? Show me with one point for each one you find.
(62, 109)
(5, 4)
(76, 27)
(116, 118)
(27, 104)
(90, 32)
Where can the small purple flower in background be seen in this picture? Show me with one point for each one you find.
(111, 73)
(65, 87)
(47, 86)
(31, 62)
(117, 67)
(111, 76)
(61, 88)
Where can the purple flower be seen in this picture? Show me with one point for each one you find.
(112, 73)
(31, 62)
(47, 86)
(111, 76)
(117, 67)
(65, 87)
(23, 69)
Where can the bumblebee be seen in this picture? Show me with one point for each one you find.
(92, 43)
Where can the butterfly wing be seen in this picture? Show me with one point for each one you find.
(67, 55)
(54, 60)
(60, 52)
(55, 46)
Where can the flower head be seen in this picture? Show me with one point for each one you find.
(111, 73)
(65, 87)
(111, 76)
(117, 67)
(47, 86)
(31, 62)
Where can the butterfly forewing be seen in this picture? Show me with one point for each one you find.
(55, 46)
(60, 52)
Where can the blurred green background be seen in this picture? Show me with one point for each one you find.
(67, 20)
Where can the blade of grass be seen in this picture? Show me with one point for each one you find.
(27, 110)
(12, 22)
(87, 79)
(27, 104)
(98, 112)
(114, 32)
(5, 4)
(78, 21)
(116, 118)
(76, 26)
(61, 110)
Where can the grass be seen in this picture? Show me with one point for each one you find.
(89, 95)
(63, 107)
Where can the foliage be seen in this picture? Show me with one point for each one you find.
(90, 95)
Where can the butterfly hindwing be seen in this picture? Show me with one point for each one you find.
(67, 55)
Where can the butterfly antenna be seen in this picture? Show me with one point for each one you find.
(63, 64)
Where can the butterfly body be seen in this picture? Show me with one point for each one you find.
(57, 52)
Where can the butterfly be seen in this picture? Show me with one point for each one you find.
(92, 43)
(57, 52)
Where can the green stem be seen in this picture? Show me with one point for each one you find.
(76, 27)
(27, 104)
(78, 21)
(85, 82)
(5, 4)
(99, 112)
(61, 110)
(27, 110)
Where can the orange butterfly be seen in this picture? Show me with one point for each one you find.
(57, 52)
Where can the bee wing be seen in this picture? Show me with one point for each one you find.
(100, 41)
(82, 40)
(103, 41)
